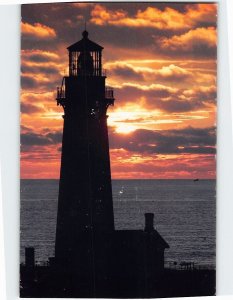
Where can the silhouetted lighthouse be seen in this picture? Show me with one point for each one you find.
(92, 259)
(85, 208)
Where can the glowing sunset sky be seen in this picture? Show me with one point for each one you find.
(161, 60)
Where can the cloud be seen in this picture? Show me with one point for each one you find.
(27, 108)
(125, 71)
(36, 139)
(39, 56)
(165, 98)
(202, 13)
(37, 30)
(186, 100)
(32, 139)
(199, 41)
(167, 18)
(177, 141)
(174, 105)
(135, 91)
(40, 68)
(174, 166)
(170, 73)
(39, 78)
(28, 82)
(55, 136)
(202, 94)
(37, 97)
(25, 129)
(102, 16)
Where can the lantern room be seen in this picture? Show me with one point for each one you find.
(85, 58)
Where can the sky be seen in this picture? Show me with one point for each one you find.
(160, 58)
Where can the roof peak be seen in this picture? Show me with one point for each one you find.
(85, 44)
(85, 34)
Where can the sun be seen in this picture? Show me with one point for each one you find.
(125, 128)
(124, 119)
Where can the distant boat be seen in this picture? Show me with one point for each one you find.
(195, 179)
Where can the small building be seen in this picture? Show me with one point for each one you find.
(138, 257)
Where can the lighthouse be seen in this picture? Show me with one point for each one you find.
(85, 206)
(92, 258)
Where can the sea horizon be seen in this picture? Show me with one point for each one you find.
(184, 211)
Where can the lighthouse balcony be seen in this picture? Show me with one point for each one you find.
(109, 95)
(61, 97)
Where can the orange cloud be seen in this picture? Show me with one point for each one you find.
(166, 19)
(188, 41)
(38, 55)
(202, 12)
(169, 18)
(174, 72)
(37, 30)
(124, 165)
(127, 70)
(207, 93)
(161, 89)
(101, 15)
(40, 162)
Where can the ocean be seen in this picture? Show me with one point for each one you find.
(185, 216)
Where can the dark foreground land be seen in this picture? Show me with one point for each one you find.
(41, 282)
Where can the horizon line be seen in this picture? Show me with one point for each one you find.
(130, 178)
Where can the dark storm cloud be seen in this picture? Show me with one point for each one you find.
(180, 141)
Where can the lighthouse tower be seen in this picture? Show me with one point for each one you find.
(92, 258)
(85, 206)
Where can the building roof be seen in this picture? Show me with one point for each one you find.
(85, 44)
(136, 236)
